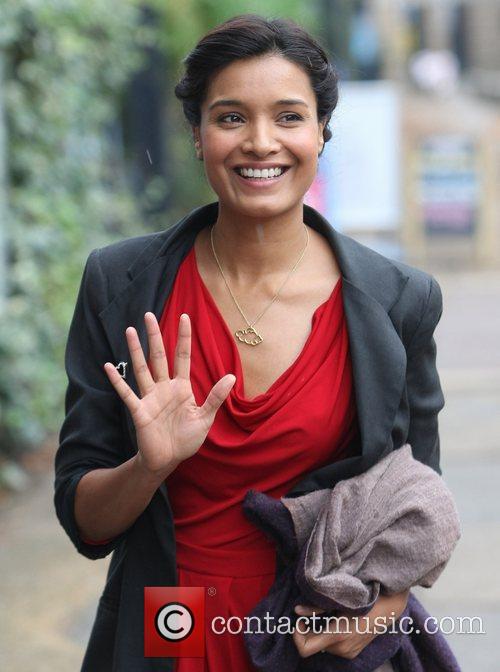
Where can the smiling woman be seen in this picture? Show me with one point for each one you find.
(262, 130)
(242, 319)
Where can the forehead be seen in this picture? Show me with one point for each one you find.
(260, 78)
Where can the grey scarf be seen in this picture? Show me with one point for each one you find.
(390, 528)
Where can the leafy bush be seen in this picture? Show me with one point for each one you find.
(66, 64)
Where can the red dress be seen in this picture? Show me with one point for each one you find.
(305, 420)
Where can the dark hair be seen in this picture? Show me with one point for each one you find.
(249, 35)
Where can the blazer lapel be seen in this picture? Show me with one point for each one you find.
(151, 277)
(371, 285)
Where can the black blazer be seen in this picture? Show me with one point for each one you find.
(391, 310)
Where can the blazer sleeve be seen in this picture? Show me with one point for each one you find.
(425, 396)
(91, 436)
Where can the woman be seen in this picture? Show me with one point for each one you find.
(282, 356)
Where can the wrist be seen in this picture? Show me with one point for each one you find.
(152, 478)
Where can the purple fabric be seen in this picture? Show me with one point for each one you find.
(276, 652)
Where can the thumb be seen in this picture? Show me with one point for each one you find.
(218, 394)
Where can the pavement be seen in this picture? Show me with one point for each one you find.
(468, 338)
(49, 592)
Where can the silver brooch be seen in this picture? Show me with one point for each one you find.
(121, 367)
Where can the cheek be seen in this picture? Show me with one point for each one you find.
(217, 147)
(305, 147)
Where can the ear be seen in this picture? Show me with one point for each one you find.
(321, 128)
(197, 142)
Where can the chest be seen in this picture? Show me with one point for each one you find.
(284, 324)
(285, 329)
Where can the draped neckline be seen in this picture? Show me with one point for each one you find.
(239, 385)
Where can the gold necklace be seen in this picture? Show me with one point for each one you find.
(241, 334)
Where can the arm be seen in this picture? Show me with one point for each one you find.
(108, 501)
(170, 427)
(91, 436)
(425, 396)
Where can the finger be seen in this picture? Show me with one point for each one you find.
(156, 348)
(310, 643)
(182, 363)
(125, 393)
(304, 610)
(217, 396)
(141, 370)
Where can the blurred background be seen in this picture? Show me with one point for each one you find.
(94, 148)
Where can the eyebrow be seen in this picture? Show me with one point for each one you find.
(224, 102)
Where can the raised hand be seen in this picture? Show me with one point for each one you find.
(170, 427)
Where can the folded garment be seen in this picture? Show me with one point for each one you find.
(390, 528)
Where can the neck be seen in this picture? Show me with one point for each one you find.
(249, 248)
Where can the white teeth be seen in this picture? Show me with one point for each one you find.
(256, 172)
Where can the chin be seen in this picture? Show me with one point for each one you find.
(263, 207)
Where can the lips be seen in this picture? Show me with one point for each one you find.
(260, 182)
(261, 167)
(237, 169)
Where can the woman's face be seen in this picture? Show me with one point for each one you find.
(260, 113)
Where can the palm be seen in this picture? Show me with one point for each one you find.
(170, 426)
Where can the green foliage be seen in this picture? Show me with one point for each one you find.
(66, 65)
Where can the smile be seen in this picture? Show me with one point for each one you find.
(260, 178)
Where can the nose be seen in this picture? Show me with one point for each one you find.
(261, 139)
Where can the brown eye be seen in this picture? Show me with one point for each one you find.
(232, 114)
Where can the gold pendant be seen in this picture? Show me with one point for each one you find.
(241, 333)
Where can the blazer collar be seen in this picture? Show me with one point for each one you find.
(361, 266)
(371, 285)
